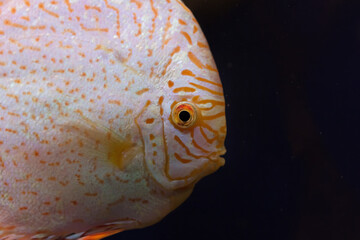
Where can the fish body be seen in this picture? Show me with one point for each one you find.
(110, 112)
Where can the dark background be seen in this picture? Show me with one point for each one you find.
(291, 72)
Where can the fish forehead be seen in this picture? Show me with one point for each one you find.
(136, 47)
(142, 35)
(92, 59)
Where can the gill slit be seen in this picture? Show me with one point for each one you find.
(140, 131)
(166, 153)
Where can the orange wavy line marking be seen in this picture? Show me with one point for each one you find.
(161, 99)
(142, 91)
(149, 120)
(153, 19)
(195, 60)
(138, 24)
(61, 45)
(150, 52)
(182, 22)
(187, 150)
(87, 7)
(220, 114)
(14, 97)
(2, 162)
(210, 141)
(208, 67)
(9, 23)
(176, 50)
(2, 107)
(191, 174)
(41, 27)
(94, 29)
(202, 45)
(27, 3)
(187, 36)
(187, 72)
(120, 200)
(167, 27)
(183, 6)
(138, 3)
(177, 156)
(195, 29)
(208, 81)
(148, 102)
(203, 124)
(68, 4)
(166, 153)
(26, 18)
(3, 87)
(184, 89)
(196, 144)
(205, 101)
(117, 17)
(116, 102)
(206, 89)
(41, 6)
(69, 31)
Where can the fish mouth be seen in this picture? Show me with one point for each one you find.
(218, 161)
(221, 161)
(219, 157)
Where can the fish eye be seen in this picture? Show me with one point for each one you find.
(184, 114)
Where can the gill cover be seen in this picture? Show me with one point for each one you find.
(169, 152)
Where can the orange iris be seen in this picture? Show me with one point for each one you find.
(184, 114)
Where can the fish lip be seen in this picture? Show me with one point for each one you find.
(222, 152)
(219, 160)
(219, 157)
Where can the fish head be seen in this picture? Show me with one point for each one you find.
(195, 130)
(184, 141)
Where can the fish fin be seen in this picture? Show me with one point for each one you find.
(100, 141)
(98, 236)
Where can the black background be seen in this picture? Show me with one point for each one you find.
(291, 72)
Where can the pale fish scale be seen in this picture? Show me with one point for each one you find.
(86, 91)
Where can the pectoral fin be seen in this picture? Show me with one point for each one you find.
(101, 142)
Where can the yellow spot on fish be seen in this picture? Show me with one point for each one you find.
(120, 153)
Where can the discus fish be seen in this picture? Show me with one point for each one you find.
(110, 112)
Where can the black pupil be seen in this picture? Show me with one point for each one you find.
(184, 116)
